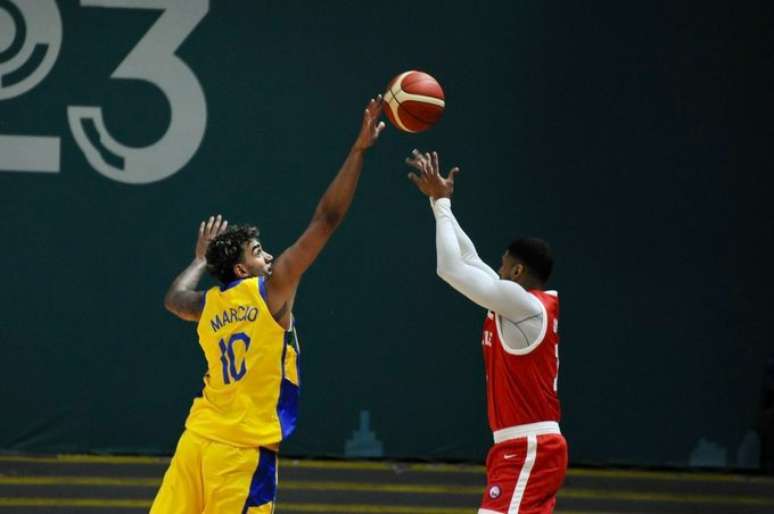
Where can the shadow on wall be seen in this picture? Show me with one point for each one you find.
(756, 449)
(766, 423)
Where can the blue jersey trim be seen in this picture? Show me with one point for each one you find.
(231, 284)
(287, 404)
(262, 287)
(297, 347)
(287, 407)
(263, 487)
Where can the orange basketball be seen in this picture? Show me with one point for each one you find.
(414, 101)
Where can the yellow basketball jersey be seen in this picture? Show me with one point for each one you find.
(251, 388)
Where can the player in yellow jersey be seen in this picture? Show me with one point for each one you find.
(226, 459)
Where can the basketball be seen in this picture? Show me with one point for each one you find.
(414, 101)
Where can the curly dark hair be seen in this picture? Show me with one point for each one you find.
(536, 255)
(225, 251)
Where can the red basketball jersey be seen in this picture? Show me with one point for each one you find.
(521, 385)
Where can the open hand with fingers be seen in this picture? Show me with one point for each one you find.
(429, 179)
(371, 127)
(209, 230)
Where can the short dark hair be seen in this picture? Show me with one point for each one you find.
(225, 251)
(536, 256)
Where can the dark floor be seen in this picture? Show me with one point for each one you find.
(92, 484)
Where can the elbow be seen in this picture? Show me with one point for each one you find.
(169, 303)
(443, 273)
(452, 275)
(330, 219)
(178, 311)
(179, 304)
(333, 219)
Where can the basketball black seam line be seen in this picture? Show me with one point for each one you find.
(426, 78)
(395, 97)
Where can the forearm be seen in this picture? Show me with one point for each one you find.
(328, 215)
(450, 265)
(182, 299)
(330, 211)
(448, 252)
(467, 248)
(338, 197)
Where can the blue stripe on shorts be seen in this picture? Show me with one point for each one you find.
(263, 488)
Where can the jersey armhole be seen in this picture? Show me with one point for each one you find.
(262, 287)
(530, 348)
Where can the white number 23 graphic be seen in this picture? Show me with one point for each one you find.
(32, 34)
(152, 60)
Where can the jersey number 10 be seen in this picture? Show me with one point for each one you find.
(228, 359)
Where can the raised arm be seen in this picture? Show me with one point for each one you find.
(182, 298)
(504, 297)
(328, 215)
(467, 248)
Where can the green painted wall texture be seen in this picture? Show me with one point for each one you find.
(617, 132)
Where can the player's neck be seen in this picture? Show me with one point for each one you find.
(529, 283)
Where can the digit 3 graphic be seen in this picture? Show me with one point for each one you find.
(30, 40)
(152, 60)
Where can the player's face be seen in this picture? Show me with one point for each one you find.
(255, 260)
(507, 266)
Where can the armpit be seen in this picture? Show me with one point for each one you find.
(522, 336)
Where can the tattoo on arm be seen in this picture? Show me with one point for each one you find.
(182, 298)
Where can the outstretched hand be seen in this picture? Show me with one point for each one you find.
(208, 231)
(371, 127)
(429, 179)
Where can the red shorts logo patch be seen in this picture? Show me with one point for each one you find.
(494, 492)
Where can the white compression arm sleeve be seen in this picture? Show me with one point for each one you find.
(468, 249)
(482, 286)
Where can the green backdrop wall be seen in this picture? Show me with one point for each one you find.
(620, 133)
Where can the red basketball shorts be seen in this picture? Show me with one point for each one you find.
(524, 474)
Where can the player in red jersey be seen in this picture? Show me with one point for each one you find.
(527, 464)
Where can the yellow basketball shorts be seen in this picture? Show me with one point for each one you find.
(207, 477)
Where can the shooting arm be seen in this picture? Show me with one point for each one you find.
(467, 248)
(484, 288)
(328, 215)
